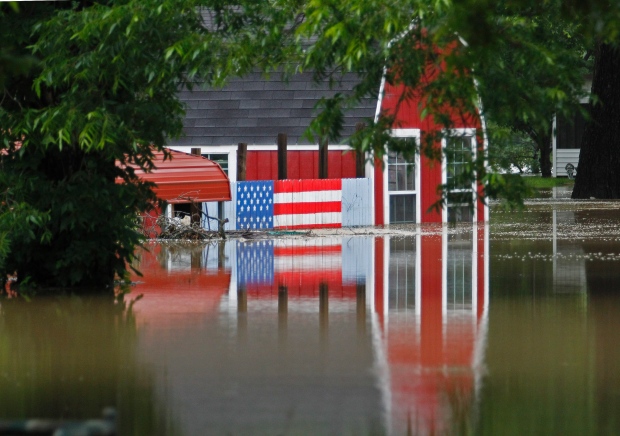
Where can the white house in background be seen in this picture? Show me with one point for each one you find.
(568, 134)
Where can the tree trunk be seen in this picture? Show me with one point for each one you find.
(545, 154)
(598, 172)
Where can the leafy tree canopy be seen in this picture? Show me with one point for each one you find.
(96, 84)
(516, 63)
(101, 92)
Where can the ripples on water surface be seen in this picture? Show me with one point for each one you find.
(507, 329)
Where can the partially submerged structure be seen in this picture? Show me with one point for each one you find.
(253, 111)
(186, 178)
(185, 182)
(413, 309)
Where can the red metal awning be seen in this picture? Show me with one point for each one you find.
(187, 176)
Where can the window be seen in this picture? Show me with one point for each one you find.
(401, 174)
(459, 178)
(402, 274)
(401, 184)
(220, 158)
(459, 274)
(402, 208)
(182, 210)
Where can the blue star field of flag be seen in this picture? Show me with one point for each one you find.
(254, 263)
(255, 205)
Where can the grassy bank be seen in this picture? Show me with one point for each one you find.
(533, 186)
(537, 182)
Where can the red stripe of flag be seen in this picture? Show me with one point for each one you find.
(315, 226)
(282, 186)
(301, 250)
(299, 208)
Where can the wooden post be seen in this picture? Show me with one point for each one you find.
(221, 254)
(282, 300)
(323, 153)
(324, 309)
(282, 313)
(242, 313)
(194, 210)
(196, 258)
(242, 299)
(242, 154)
(282, 166)
(360, 158)
(360, 308)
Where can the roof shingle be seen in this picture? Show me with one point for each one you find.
(254, 109)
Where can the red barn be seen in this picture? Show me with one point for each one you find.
(254, 110)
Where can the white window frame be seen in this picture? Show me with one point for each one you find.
(402, 133)
(471, 132)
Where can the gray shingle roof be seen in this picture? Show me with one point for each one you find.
(254, 109)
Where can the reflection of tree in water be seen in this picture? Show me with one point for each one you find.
(604, 316)
(603, 281)
(70, 357)
(557, 358)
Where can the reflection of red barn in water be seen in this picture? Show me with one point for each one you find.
(428, 297)
(424, 298)
(434, 344)
(180, 281)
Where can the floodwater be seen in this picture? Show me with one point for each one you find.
(510, 328)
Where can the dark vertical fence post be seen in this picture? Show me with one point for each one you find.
(196, 259)
(282, 167)
(242, 154)
(361, 308)
(323, 152)
(221, 254)
(282, 313)
(242, 313)
(194, 211)
(242, 299)
(360, 158)
(323, 309)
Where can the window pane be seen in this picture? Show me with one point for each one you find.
(460, 214)
(402, 274)
(401, 174)
(402, 208)
(459, 272)
(460, 195)
(392, 169)
(219, 158)
(458, 154)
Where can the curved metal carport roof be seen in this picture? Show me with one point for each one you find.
(187, 176)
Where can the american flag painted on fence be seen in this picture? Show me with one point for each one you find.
(297, 204)
(255, 205)
(307, 204)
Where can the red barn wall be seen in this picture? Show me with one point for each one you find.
(379, 200)
(430, 179)
(263, 164)
(407, 115)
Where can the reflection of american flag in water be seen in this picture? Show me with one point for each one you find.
(299, 265)
(255, 263)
